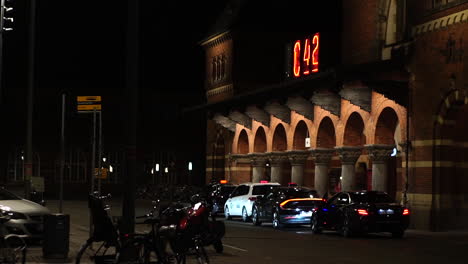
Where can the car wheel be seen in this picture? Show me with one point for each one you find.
(314, 224)
(398, 233)
(255, 219)
(276, 221)
(227, 216)
(245, 216)
(346, 227)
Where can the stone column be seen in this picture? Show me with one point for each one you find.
(276, 164)
(322, 158)
(298, 159)
(348, 155)
(379, 155)
(258, 165)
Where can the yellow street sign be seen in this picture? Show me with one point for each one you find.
(88, 99)
(89, 107)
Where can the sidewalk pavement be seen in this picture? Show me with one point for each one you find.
(79, 226)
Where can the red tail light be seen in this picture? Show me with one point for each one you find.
(406, 212)
(253, 198)
(362, 212)
(263, 181)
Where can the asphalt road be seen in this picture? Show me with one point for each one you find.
(245, 243)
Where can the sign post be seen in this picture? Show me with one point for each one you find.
(92, 104)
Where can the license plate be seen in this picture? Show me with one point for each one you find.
(386, 211)
(306, 213)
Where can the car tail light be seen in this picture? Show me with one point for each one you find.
(405, 211)
(263, 181)
(362, 212)
(253, 198)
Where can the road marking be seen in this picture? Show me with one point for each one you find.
(240, 249)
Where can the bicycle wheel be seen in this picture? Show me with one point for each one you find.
(200, 254)
(135, 250)
(14, 250)
(96, 252)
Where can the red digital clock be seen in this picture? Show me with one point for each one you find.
(306, 56)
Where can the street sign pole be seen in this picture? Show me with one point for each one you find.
(100, 153)
(92, 104)
(93, 157)
(62, 154)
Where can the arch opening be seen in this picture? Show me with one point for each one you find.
(300, 135)
(354, 131)
(279, 139)
(387, 132)
(243, 143)
(260, 145)
(326, 137)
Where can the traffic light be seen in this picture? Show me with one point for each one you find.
(6, 21)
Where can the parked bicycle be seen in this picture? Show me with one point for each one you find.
(148, 247)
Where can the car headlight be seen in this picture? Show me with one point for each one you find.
(16, 215)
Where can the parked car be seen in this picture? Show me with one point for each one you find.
(219, 196)
(361, 212)
(286, 206)
(241, 200)
(26, 217)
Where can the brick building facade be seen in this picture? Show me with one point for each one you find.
(386, 110)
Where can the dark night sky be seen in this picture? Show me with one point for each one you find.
(81, 49)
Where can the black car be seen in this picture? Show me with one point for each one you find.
(361, 212)
(286, 206)
(219, 196)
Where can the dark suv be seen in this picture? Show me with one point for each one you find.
(219, 195)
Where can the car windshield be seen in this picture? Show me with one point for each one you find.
(227, 189)
(364, 197)
(6, 195)
(263, 189)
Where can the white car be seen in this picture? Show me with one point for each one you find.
(241, 200)
(26, 217)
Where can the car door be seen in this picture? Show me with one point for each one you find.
(231, 199)
(263, 206)
(260, 204)
(270, 205)
(242, 199)
(331, 210)
(342, 201)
